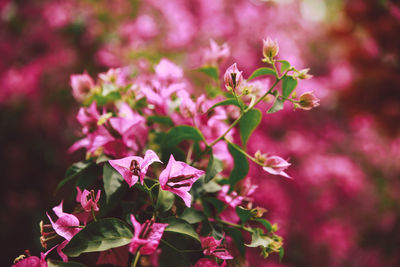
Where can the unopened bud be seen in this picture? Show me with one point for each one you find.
(303, 74)
(308, 101)
(270, 48)
(258, 212)
(233, 77)
(260, 157)
(81, 85)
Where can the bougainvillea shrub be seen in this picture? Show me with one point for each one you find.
(339, 208)
(189, 197)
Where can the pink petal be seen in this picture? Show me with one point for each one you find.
(123, 165)
(60, 252)
(64, 225)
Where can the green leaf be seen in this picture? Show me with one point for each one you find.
(285, 65)
(277, 105)
(226, 102)
(53, 263)
(103, 158)
(181, 227)
(211, 187)
(281, 253)
(244, 214)
(260, 72)
(73, 171)
(214, 167)
(101, 100)
(216, 203)
(265, 223)
(192, 216)
(165, 200)
(248, 123)
(160, 119)
(237, 238)
(112, 181)
(99, 236)
(180, 133)
(288, 85)
(258, 239)
(241, 166)
(210, 71)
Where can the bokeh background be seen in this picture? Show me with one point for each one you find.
(342, 208)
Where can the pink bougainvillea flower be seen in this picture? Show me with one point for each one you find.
(187, 106)
(146, 236)
(217, 53)
(205, 262)
(67, 225)
(233, 77)
(213, 247)
(276, 165)
(81, 85)
(178, 178)
(88, 118)
(88, 199)
(166, 70)
(132, 168)
(31, 261)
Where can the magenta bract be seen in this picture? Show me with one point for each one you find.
(178, 178)
(132, 168)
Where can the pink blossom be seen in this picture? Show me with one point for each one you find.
(81, 85)
(217, 53)
(117, 76)
(168, 71)
(87, 199)
(66, 225)
(276, 165)
(88, 118)
(212, 247)
(178, 178)
(233, 77)
(187, 106)
(31, 261)
(146, 236)
(132, 168)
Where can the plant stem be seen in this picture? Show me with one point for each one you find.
(94, 216)
(135, 261)
(235, 225)
(243, 113)
(189, 154)
(244, 152)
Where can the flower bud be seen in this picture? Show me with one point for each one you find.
(233, 77)
(276, 165)
(270, 48)
(81, 85)
(260, 157)
(308, 101)
(258, 212)
(303, 74)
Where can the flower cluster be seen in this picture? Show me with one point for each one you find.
(153, 112)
